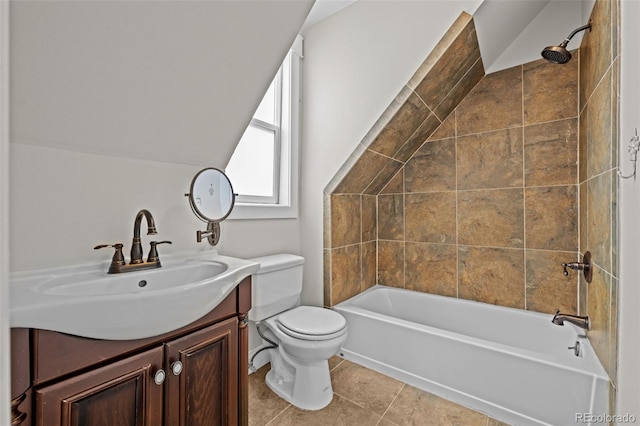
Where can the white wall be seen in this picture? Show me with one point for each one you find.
(356, 62)
(5, 389)
(501, 50)
(116, 105)
(174, 81)
(629, 233)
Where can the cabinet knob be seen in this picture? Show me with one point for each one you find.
(159, 377)
(176, 368)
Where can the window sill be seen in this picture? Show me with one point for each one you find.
(244, 211)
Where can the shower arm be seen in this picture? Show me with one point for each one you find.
(577, 30)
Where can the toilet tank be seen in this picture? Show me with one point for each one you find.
(277, 286)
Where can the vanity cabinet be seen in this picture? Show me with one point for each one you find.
(122, 393)
(194, 376)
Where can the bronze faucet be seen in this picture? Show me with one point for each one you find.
(118, 263)
(136, 246)
(582, 322)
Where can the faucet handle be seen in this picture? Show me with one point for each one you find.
(118, 257)
(153, 252)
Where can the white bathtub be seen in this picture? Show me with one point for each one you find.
(511, 364)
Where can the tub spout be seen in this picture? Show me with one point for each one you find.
(559, 319)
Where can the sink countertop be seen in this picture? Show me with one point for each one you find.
(135, 314)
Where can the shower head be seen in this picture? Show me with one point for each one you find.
(560, 54)
(557, 54)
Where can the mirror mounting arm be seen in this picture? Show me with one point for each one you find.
(212, 233)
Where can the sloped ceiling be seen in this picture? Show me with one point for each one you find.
(174, 81)
(515, 32)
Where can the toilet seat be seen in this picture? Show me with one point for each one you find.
(312, 323)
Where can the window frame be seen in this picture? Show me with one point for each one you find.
(288, 159)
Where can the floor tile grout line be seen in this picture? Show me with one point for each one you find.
(278, 415)
(394, 400)
(356, 404)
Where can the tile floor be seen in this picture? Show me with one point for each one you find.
(362, 397)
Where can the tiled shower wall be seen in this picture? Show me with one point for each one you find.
(599, 71)
(496, 197)
(487, 208)
(452, 69)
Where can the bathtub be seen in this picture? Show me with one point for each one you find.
(513, 365)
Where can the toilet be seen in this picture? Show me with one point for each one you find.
(306, 336)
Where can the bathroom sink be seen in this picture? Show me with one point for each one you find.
(86, 301)
(95, 283)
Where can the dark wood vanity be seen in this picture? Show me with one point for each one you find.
(196, 375)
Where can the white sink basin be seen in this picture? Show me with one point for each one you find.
(94, 283)
(86, 301)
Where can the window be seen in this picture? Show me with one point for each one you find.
(264, 166)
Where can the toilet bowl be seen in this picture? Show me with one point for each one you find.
(306, 336)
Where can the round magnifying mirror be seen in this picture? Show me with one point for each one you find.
(211, 195)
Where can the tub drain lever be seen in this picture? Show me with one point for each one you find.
(576, 348)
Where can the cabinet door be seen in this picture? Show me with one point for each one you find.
(120, 394)
(205, 392)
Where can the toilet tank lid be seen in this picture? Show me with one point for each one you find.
(276, 262)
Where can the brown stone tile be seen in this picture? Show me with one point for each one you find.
(615, 95)
(365, 169)
(334, 362)
(345, 273)
(416, 140)
(599, 220)
(615, 28)
(264, 405)
(552, 218)
(551, 153)
(431, 268)
(391, 263)
(391, 217)
(584, 241)
(460, 25)
(390, 169)
(595, 49)
(450, 67)
(431, 217)
(491, 218)
(345, 220)
(550, 91)
(614, 223)
(491, 275)
(326, 277)
(583, 295)
(598, 128)
(461, 90)
(406, 121)
(583, 160)
(369, 265)
(612, 367)
(367, 388)
(599, 311)
(446, 130)
(417, 407)
(395, 184)
(490, 160)
(547, 289)
(494, 103)
(432, 167)
(339, 412)
(369, 218)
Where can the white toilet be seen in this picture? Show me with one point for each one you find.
(307, 336)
